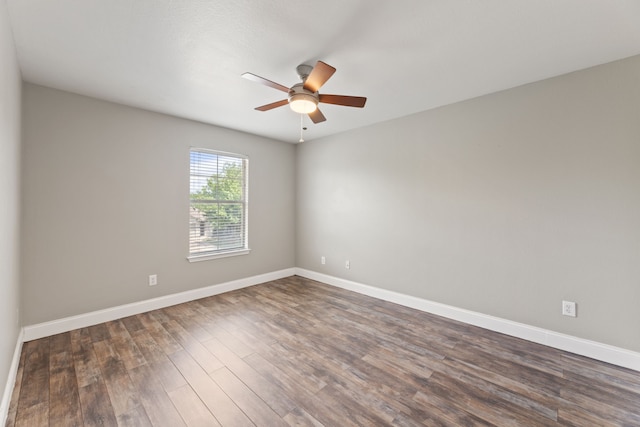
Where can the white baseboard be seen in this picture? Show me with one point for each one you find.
(595, 350)
(11, 379)
(66, 324)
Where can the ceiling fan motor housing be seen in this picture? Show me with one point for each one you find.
(298, 91)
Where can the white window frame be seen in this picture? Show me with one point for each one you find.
(243, 249)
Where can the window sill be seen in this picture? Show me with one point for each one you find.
(207, 257)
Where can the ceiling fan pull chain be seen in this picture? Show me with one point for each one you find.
(301, 127)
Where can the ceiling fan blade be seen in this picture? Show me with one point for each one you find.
(318, 76)
(347, 101)
(263, 81)
(317, 116)
(273, 105)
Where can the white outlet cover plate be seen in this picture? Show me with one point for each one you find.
(569, 308)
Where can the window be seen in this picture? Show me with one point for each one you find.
(218, 204)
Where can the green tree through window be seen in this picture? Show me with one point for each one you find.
(218, 207)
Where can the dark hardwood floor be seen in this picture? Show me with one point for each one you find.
(300, 353)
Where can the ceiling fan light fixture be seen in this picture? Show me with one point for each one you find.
(303, 103)
(304, 97)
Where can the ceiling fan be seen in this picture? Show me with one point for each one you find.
(304, 97)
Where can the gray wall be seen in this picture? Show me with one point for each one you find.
(10, 87)
(504, 205)
(105, 204)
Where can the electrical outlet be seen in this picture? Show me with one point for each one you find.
(323, 260)
(569, 308)
(153, 280)
(347, 264)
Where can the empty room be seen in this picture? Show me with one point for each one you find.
(341, 213)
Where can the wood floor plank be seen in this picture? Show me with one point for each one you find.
(524, 398)
(124, 345)
(64, 401)
(59, 342)
(298, 352)
(96, 405)
(301, 418)
(299, 372)
(249, 402)
(17, 387)
(99, 332)
(187, 317)
(381, 363)
(578, 417)
(134, 417)
(85, 360)
(157, 404)
(221, 406)
(331, 407)
(159, 334)
(269, 392)
(215, 325)
(123, 395)
(205, 359)
(481, 403)
(548, 383)
(33, 403)
(133, 324)
(392, 386)
(277, 374)
(342, 374)
(235, 344)
(548, 397)
(257, 342)
(415, 369)
(603, 400)
(148, 347)
(36, 415)
(158, 361)
(604, 373)
(527, 354)
(442, 414)
(193, 411)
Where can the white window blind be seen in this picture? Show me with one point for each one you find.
(218, 207)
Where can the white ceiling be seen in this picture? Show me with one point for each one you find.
(185, 58)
